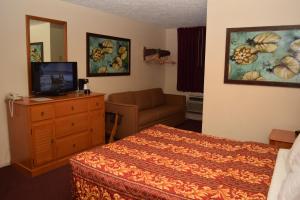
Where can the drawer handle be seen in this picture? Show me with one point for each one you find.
(72, 124)
(42, 113)
(72, 108)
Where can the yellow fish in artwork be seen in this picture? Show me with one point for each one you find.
(266, 42)
(244, 54)
(288, 68)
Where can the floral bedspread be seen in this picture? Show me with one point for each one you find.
(167, 163)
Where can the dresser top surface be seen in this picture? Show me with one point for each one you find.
(49, 99)
(282, 135)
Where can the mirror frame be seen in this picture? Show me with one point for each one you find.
(53, 21)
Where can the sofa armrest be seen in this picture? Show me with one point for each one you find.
(129, 118)
(173, 99)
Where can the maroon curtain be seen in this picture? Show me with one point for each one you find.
(191, 57)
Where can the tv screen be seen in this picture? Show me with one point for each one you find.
(53, 78)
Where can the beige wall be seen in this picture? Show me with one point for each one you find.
(170, 83)
(41, 33)
(57, 40)
(80, 20)
(241, 111)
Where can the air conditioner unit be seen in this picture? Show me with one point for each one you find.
(194, 104)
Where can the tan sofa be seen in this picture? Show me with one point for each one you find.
(142, 109)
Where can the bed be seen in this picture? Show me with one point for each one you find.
(167, 163)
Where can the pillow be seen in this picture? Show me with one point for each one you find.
(143, 99)
(290, 188)
(294, 157)
(122, 97)
(158, 97)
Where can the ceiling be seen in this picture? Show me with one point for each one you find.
(166, 13)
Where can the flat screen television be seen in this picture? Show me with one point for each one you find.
(53, 78)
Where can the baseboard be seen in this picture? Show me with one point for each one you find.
(5, 164)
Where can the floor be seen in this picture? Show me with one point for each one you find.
(54, 185)
(191, 125)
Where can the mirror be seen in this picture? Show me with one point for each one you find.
(46, 41)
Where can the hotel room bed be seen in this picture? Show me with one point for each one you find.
(167, 163)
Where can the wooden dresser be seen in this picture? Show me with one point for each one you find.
(43, 134)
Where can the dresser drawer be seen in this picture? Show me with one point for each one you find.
(283, 145)
(96, 103)
(69, 145)
(71, 107)
(96, 119)
(71, 124)
(41, 112)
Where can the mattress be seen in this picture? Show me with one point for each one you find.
(167, 163)
(280, 172)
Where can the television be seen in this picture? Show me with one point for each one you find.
(53, 78)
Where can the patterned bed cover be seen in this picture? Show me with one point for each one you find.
(167, 163)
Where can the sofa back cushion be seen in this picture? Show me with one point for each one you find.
(157, 97)
(143, 99)
(123, 97)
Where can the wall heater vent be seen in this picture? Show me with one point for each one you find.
(195, 104)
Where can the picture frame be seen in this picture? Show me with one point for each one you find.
(107, 55)
(37, 52)
(268, 55)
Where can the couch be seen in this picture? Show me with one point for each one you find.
(144, 108)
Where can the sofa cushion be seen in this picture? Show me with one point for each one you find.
(149, 115)
(123, 97)
(158, 113)
(167, 110)
(143, 99)
(157, 97)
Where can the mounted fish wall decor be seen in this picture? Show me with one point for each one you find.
(263, 56)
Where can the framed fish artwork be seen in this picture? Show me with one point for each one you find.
(263, 56)
(107, 55)
(37, 52)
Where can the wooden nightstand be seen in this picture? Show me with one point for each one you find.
(282, 138)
